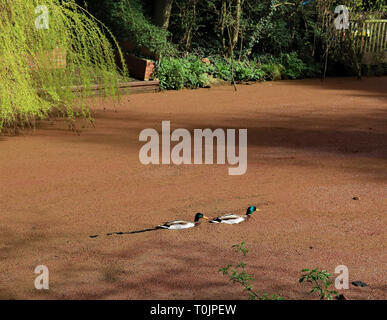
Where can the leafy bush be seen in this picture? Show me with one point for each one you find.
(170, 73)
(128, 21)
(375, 70)
(177, 73)
(222, 70)
(273, 71)
(294, 68)
(246, 71)
(192, 72)
(287, 66)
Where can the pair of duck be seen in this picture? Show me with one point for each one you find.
(228, 219)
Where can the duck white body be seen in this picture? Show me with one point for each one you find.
(181, 224)
(229, 219)
(177, 225)
(235, 218)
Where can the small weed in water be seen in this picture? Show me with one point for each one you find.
(321, 283)
(238, 274)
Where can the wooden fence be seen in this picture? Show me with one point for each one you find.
(370, 35)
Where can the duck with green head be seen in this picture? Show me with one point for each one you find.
(181, 224)
(235, 218)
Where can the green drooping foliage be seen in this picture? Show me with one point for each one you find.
(41, 63)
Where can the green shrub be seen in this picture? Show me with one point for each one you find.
(191, 72)
(273, 71)
(170, 72)
(128, 21)
(294, 68)
(246, 71)
(287, 66)
(374, 70)
(379, 70)
(222, 70)
(177, 73)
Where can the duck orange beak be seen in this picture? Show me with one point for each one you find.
(204, 217)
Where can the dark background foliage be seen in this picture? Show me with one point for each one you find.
(279, 36)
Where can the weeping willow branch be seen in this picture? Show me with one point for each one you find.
(38, 67)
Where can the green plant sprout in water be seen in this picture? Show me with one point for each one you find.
(321, 283)
(238, 274)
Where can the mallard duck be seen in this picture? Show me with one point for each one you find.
(235, 218)
(181, 224)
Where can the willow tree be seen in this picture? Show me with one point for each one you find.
(47, 47)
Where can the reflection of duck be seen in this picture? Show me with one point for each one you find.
(235, 218)
(181, 224)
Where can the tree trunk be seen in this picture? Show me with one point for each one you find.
(162, 13)
(230, 19)
(223, 14)
(237, 21)
(188, 34)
